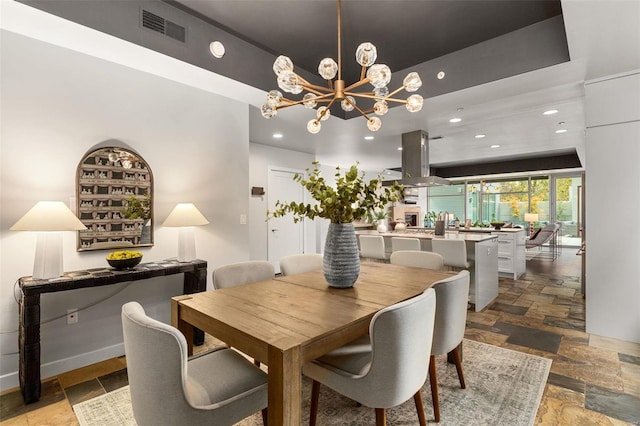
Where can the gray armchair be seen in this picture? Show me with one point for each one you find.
(417, 259)
(240, 273)
(298, 263)
(219, 387)
(452, 295)
(393, 370)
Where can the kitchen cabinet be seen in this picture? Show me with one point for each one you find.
(511, 252)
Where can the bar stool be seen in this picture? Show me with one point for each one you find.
(454, 252)
(372, 247)
(400, 243)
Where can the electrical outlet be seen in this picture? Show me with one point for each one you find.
(243, 219)
(72, 316)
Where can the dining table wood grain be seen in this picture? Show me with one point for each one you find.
(289, 320)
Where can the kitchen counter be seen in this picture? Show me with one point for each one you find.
(424, 233)
(482, 250)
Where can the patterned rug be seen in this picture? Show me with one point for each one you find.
(504, 387)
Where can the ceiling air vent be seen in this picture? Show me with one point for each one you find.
(159, 24)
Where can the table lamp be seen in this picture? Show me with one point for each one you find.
(47, 218)
(185, 216)
(531, 217)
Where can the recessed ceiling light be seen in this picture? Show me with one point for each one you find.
(217, 49)
(277, 135)
(480, 136)
(368, 138)
(561, 123)
(550, 112)
(495, 146)
(440, 75)
(455, 120)
(399, 148)
(561, 131)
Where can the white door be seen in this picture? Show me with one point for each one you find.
(285, 237)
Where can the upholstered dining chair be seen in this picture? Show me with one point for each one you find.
(298, 263)
(241, 273)
(402, 243)
(219, 387)
(395, 367)
(372, 247)
(454, 252)
(417, 259)
(452, 295)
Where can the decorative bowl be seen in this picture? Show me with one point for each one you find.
(124, 259)
(497, 225)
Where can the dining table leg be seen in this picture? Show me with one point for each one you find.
(285, 386)
(184, 327)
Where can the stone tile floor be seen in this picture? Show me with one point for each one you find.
(593, 380)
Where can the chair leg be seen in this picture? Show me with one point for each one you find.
(458, 361)
(434, 387)
(381, 417)
(256, 363)
(265, 416)
(417, 398)
(313, 411)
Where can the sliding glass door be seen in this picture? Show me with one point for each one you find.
(568, 208)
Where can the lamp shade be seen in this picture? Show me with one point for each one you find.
(49, 216)
(185, 214)
(531, 217)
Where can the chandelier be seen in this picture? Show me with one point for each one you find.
(378, 75)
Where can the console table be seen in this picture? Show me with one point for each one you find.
(195, 280)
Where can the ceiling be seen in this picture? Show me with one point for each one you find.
(508, 110)
(506, 63)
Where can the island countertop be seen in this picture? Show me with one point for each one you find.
(422, 233)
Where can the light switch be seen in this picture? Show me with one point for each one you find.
(243, 219)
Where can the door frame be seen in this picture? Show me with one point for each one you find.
(305, 199)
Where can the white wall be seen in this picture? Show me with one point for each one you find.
(613, 202)
(57, 104)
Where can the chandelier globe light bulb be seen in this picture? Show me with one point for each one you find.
(313, 126)
(309, 100)
(282, 63)
(348, 103)
(328, 69)
(374, 124)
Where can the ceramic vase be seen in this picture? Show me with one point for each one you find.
(382, 227)
(341, 260)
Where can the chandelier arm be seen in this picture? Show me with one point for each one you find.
(400, 101)
(395, 92)
(318, 90)
(357, 84)
(367, 95)
(364, 114)
(325, 111)
(363, 72)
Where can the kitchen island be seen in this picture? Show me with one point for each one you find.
(482, 250)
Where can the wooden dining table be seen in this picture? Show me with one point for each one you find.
(290, 320)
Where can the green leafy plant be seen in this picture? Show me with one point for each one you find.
(351, 199)
(137, 209)
(376, 216)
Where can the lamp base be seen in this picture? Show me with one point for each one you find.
(186, 244)
(48, 261)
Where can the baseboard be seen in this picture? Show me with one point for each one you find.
(50, 369)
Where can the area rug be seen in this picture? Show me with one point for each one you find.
(504, 387)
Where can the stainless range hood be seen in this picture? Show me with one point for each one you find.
(415, 161)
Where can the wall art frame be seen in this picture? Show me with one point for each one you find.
(114, 199)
